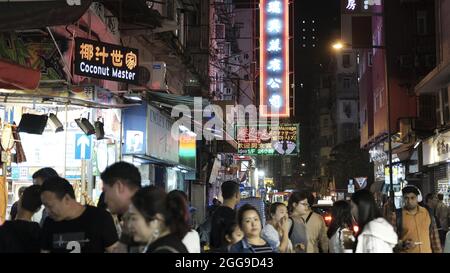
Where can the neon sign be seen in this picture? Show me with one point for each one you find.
(274, 58)
(352, 4)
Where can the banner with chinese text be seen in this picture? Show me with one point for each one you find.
(268, 140)
(106, 61)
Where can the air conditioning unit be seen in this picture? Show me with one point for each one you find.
(151, 75)
(158, 76)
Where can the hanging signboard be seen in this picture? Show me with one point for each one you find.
(268, 140)
(274, 58)
(351, 187)
(106, 61)
(187, 149)
(359, 6)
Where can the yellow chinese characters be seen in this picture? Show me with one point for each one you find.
(101, 54)
(86, 51)
(117, 57)
(131, 60)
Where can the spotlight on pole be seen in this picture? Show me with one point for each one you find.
(55, 123)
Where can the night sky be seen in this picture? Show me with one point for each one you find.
(326, 17)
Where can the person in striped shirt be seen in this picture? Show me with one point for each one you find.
(250, 223)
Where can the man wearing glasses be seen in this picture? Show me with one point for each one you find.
(300, 207)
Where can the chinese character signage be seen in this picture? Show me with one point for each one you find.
(359, 6)
(106, 61)
(274, 58)
(266, 140)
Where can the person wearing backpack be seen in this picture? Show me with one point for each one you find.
(299, 205)
(416, 229)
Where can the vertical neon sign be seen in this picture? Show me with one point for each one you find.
(274, 58)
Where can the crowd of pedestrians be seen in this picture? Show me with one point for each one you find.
(131, 218)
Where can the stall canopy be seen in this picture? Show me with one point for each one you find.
(21, 15)
(226, 145)
(15, 76)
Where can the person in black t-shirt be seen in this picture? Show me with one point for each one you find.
(72, 227)
(21, 234)
(224, 215)
(159, 220)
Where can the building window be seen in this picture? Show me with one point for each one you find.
(422, 22)
(346, 60)
(370, 59)
(325, 122)
(381, 99)
(347, 83)
(445, 105)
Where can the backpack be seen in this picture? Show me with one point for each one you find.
(299, 240)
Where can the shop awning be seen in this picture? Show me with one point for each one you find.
(19, 15)
(171, 100)
(436, 79)
(227, 145)
(145, 159)
(15, 76)
(404, 151)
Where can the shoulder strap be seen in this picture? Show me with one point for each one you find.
(309, 216)
(399, 221)
(292, 227)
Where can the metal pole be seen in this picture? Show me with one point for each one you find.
(65, 142)
(386, 74)
(83, 182)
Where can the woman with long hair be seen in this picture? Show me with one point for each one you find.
(159, 220)
(377, 235)
(340, 229)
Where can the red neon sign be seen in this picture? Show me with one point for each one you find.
(274, 58)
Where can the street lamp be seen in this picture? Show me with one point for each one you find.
(261, 173)
(340, 45)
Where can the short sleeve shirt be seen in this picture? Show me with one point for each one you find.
(91, 232)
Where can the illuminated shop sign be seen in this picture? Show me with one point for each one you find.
(360, 5)
(274, 58)
(268, 140)
(106, 61)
